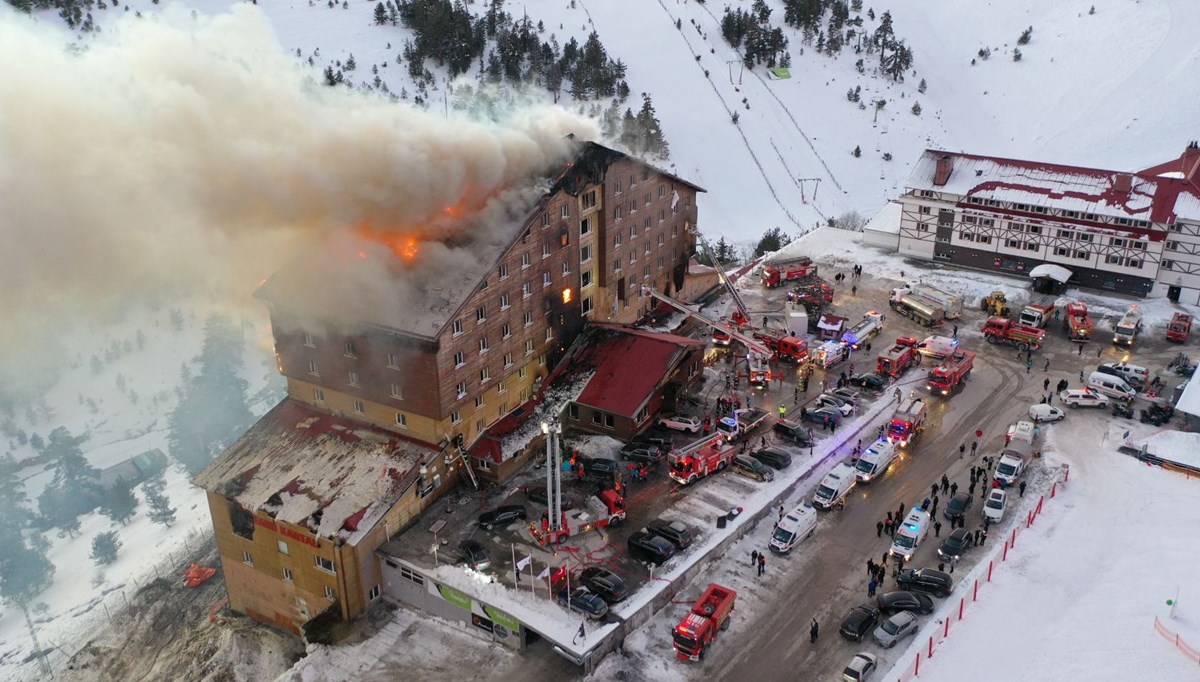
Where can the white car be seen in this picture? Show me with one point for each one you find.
(681, 422)
(1043, 413)
(1082, 397)
(860, 667)
(836, 402)
(997, 501)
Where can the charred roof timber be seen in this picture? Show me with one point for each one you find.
(941, 173)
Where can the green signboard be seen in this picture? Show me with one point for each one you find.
(455, 597)
(501, 617)
(781, 73)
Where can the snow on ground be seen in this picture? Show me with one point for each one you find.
(1078, 596)
(1176, 446)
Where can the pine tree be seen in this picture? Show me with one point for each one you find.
(653, 140)
(119, 503)
(161, 510)
(921, 86)
(857, 151)
(75, 487)
(1025, 36)
(772, 240)
(1016, 54)
(105, 547)
(916, 108)
(381, 14)
(350, 63)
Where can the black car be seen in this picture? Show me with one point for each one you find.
(860, 621)
(773, 457)
(955, 545)
(822, 415)
(538, 494)
(583, 601)
(926, 580)
(752, 468)
(501, 516)
(599, 467)
(797, 433)
(676, 533)
(649, 547)
(958, 506)
(901, 600)
(474, 555)
(871, 382)
(660, 444)
(603, 582)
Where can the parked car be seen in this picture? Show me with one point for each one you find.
(847, 394)
(822, 415)
(474, 555)
(644, 455)
(752, 468)
(681, 422)
(646, 546)
(773, 457)
(859, 622)
(538, 494)
(869, 381)
(903, 600)
(860, 667)
(1134, 375)
(1082, 397)
(894, 629)
(996, 503)
(584, 601)
(797, 433)
(675, 532)
(608, 585)
(599, 467)
(928, 580)
(1043, 413)
(958, 505)
(955, 545)
(663, 445)
(501, 516)
(841, 404)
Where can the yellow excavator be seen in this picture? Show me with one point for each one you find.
(995, 304)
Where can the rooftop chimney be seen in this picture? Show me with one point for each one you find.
(1123, 183)
(941, 172)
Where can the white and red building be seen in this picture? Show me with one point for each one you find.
(1135, 233)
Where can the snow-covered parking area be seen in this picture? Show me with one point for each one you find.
(1078, 596)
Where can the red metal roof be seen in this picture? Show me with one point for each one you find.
(628, 367)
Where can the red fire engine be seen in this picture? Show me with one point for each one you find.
(952, 373)
(706, 456)
(894, 361)
(709, 615)
(602, 510)
(1180, 327)
(1077, 322)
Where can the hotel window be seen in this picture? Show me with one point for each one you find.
(585, 279)
(401, 420)
(501, 388)
(565, 211)
(1172, 245)
(526, 290)
(528, 346)
(483, 344)
(566, 269)
(457, 327)
(455, 417)
(1140, 246)
(481, 314)
(585, 253)
(527, 318)
(504, 301)
(508, 360)
(1013, 243)
(647, 202)
(503, 271)
(312, 367)
(521, 375)
(247, 559)
(545, 279)
(926, 210)
(646, 272)
(287, 575)
(983, 239)
(549, 334)
(616, 213)
(589, 199)
(485, 375)
(661, 240)
(969, 219)
(329, 593)
(324, 564)
(505, 331)
(319, 394)
(460, 390)
(617, 186)
(1081, 255)
(460, 359)
(1062, 251)
(1133, 263)
(350, 350)
(1080, 237)
(584, 227)
(545, 250)
(393, 360)
(1168, 264)
(662, 191)
(1112, 260)
(352, 378)
(617, 265)
(308, 340)
(632, 206)
(646, 224)
(359, 407)
(478, 402)
(525, 260)
(395, 391)
(1033, 229)
(283, 548)
(1031, 246)
(587, 305)
(373, 594)
(545, 220)
(1116, 242)
(617, 240)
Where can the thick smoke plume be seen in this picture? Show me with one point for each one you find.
(179, 150)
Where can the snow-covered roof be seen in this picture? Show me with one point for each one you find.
(306, 467)
(1190, 400)
(886, 220)
(1146, 196)
(1055, 272)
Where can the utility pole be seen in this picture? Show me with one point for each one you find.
(741, 71)
(816, 185)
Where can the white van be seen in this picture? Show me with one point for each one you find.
(1134, 375)
(910, 533)
(875, 460)
(1020, 431)
(1111, 386)
(938, 347)
(1012, 463)
(796, 526)
(834, 487)
(1127, 329)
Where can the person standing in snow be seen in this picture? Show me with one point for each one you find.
(879, 529)
(813, 631)
(753, 558)
(1021, 489)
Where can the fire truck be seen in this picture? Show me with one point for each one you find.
(1001, 330)
(861, 333)
(706, 456)
(919, 309)
(740, 317)
(758, 356)
(600, 511)
(776, 273)
(951, 374)
(951, 304)
(895, 360)
(785, 346)
(1077, 322)
(907, 423)
(1180, 327)
(709, 615)
(1037, 314)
